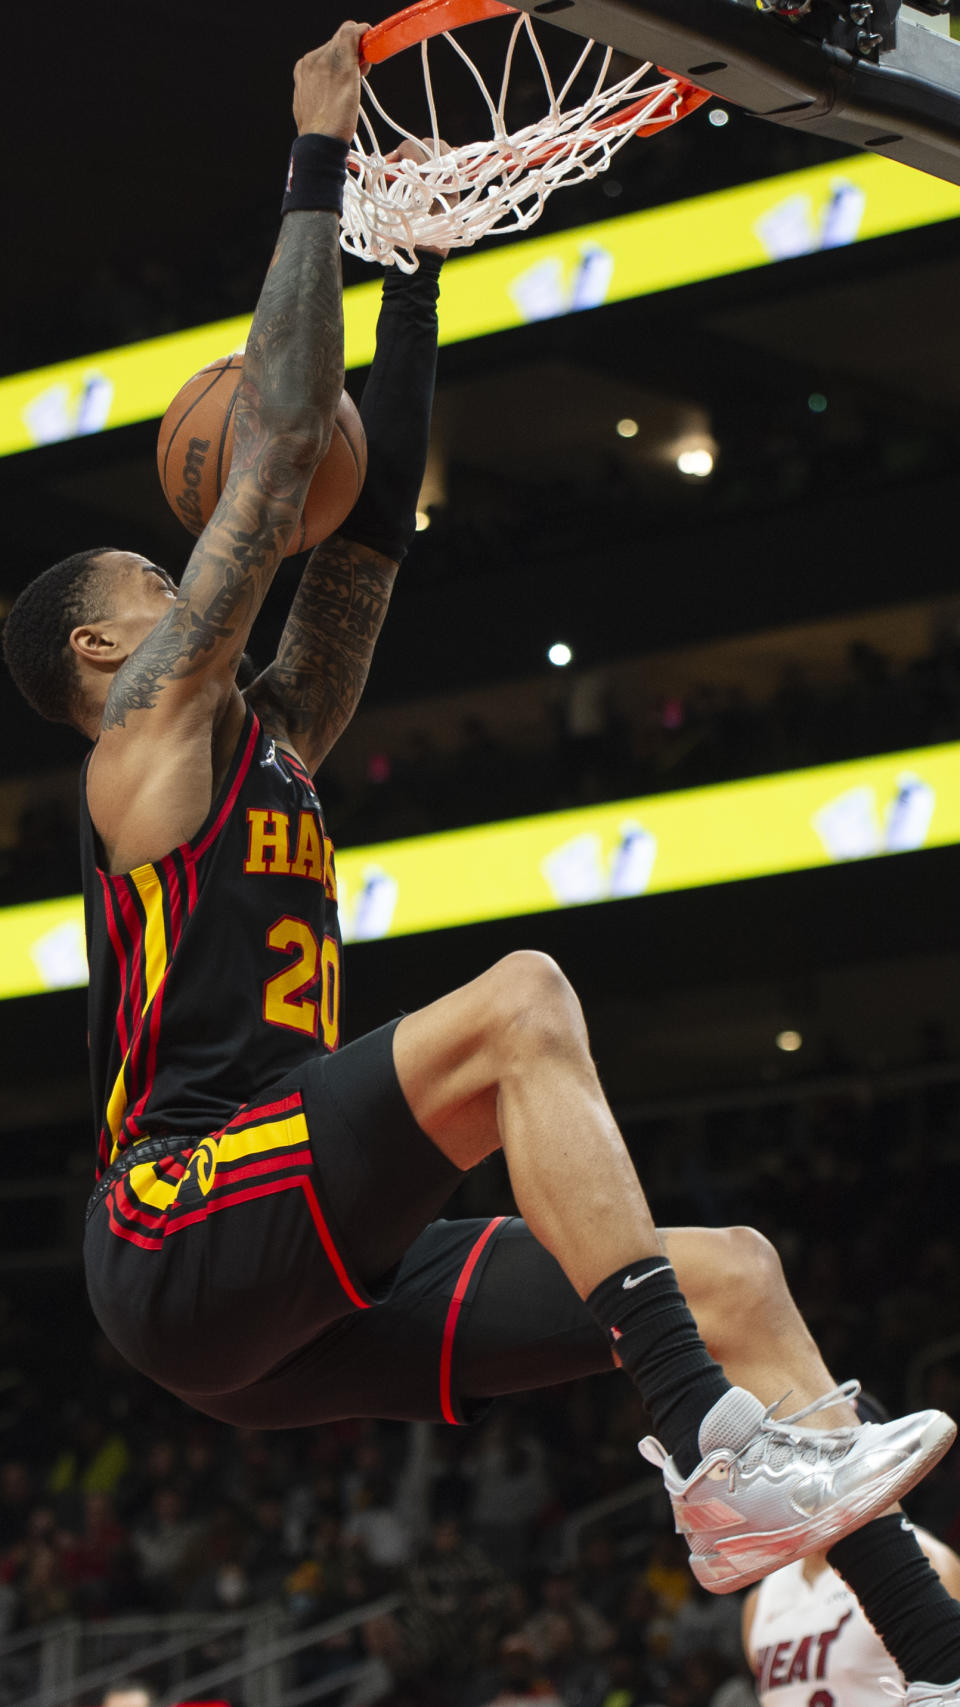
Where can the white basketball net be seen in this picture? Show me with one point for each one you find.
(500, 184)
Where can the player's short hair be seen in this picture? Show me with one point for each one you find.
(132, 1686)
(36, 634)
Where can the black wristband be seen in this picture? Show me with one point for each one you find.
(423, 284)
(316, 175)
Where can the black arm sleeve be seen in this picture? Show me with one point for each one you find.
(395, 409)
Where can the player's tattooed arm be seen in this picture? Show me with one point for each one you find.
(285, 410)
(311, 690)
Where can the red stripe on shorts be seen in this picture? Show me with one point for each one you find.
(453, 1314)
(212, 1205)
(333, 1255)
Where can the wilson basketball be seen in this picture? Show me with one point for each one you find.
(196, 443)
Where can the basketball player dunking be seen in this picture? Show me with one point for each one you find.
(262, 1239)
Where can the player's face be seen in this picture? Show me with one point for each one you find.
(140, 594)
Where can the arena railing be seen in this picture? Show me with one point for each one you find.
(53, 1666)
(62, 1662)
(608, 1511)
(260, 1672)
(50, 1667)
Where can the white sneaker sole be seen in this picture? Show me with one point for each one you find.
(739, 1560)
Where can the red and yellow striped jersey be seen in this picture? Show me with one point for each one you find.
(217, 969)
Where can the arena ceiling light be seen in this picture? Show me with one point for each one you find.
(789, 1041)
(697, 462)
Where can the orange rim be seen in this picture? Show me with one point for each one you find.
(429, 18)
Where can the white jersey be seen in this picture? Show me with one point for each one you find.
(811, 1646)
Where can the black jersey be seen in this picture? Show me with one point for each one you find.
(217, 969)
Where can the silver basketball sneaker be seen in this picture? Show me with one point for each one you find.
(766, 1493)
(929, 1694)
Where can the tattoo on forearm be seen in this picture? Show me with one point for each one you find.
(288, 397)
(327, 644)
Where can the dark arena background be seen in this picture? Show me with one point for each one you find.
(686, 574)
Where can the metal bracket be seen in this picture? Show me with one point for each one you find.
(862, 28)
(903, 102)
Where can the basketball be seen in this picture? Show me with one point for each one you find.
(196, 443)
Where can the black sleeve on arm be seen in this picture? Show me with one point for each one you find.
(395, 409)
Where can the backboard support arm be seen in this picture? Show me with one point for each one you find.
(903, 102)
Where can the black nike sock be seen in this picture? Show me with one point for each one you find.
(917, 1621)
(656, 1339)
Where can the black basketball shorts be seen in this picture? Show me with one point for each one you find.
(241, 1264)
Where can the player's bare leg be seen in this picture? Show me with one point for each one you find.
(734, 1283)
(505, 1062)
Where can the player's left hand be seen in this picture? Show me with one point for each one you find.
(410, 150)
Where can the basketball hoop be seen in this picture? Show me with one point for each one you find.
(454, 196)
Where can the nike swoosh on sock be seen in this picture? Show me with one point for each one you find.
(631, 1280)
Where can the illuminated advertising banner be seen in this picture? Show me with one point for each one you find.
(655, 844)
(730, 231)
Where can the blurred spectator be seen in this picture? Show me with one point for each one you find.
(598, 1577)
(267, 1557)
(157, 1466)
(454, 1597)
(510, 1493)
(197, 1475)
(562, 1617)
(98, 1562)
(95, 1462)
(667, 1574)
(42, 1588)
(375, 1526)
(17, 1498)
(163, 1541)
(706, 1622)
(625, 1683)
(520, 1678)
(220, 1568)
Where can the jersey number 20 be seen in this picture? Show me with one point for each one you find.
(284, 1000)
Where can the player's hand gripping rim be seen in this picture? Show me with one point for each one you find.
(326, 85)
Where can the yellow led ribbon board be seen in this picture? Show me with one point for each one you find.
(730, 231)
(796, 821)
